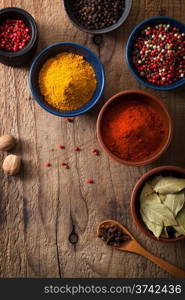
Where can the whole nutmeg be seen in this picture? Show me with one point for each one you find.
(11, 164)
(7, 142)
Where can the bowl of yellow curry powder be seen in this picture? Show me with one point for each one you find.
(67, 79)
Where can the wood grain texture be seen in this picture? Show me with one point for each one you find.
(39, 208)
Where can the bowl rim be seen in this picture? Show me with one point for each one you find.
(124, 16)
(129, 44)
(50, 109)
(100, 120)
(34, 33)
(134, 197)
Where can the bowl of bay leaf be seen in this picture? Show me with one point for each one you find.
(158, 204)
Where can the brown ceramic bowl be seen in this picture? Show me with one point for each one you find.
(146, 98)
(134, 204)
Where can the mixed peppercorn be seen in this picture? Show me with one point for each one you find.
(159, 54)
(14, 35)
(97, 14)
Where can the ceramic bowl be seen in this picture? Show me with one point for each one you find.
(129, 47)
(146, 98)
(23, 56)
(52, 51)
(134, 204)
(128, 5)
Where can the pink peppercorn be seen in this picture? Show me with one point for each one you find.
(76, 148)
(14, 35)
(70, 120)
(95, 151)
(47, 164)
(89, 180)
(159, 54)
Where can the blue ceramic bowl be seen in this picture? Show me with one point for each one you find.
(52, 51)
(129, 47)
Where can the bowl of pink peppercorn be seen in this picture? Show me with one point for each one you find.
(18, 36)
(155, 53)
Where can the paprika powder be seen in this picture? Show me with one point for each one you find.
(133, 130)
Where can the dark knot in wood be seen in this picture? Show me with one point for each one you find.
(98, 39)
(73, 237)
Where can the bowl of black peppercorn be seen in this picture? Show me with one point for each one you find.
(18, 36)
(97, 16)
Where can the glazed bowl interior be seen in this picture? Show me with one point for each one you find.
(130, 44)
(144, 98)
(128, 5)
(135, 202)
(52, 51)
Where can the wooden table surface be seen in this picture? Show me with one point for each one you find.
(41, 207)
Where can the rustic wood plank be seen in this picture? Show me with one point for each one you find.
(39, 208)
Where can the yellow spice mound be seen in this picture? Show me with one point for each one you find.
(67, 81)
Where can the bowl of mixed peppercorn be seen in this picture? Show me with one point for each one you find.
(97, 16)
(18, 36)
(155, 53)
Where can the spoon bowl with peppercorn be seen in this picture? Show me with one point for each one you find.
(116, 235)
(155, 53)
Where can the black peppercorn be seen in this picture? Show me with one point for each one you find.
(97, 14)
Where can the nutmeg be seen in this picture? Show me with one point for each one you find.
(7, 142)
(11, 164)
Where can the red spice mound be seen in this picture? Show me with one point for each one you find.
(133, 130)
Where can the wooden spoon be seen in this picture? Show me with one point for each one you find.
(133, 246)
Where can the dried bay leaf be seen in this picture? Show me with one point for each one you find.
(155, 228)
(146, 191)
(181, 220)
(169, 185)
(162, 197)
(180, 230)
(155, 180)
(164, 233)
(175, 202)
(158, 213)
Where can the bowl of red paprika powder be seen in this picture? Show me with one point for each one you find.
(134, 128)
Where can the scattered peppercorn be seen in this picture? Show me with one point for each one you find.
(14, 35)
(66, 166)
(97, 14)
(159, 54)
(95, 151)
(113, 235)
(47, 164)
(61, 147)
(70, 120)
(89, 180)
(76, 148)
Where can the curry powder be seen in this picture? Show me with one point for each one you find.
(67, 81)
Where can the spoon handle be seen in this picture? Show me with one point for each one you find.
(171, 269)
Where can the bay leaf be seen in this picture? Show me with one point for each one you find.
(177, 234)
(162, 197)
(181, 219)
(175, 202)
(180, 230)
(154, 228)
(146, 191)
(169, 185)
(158, 213)
(164, 233)
(155, 180)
